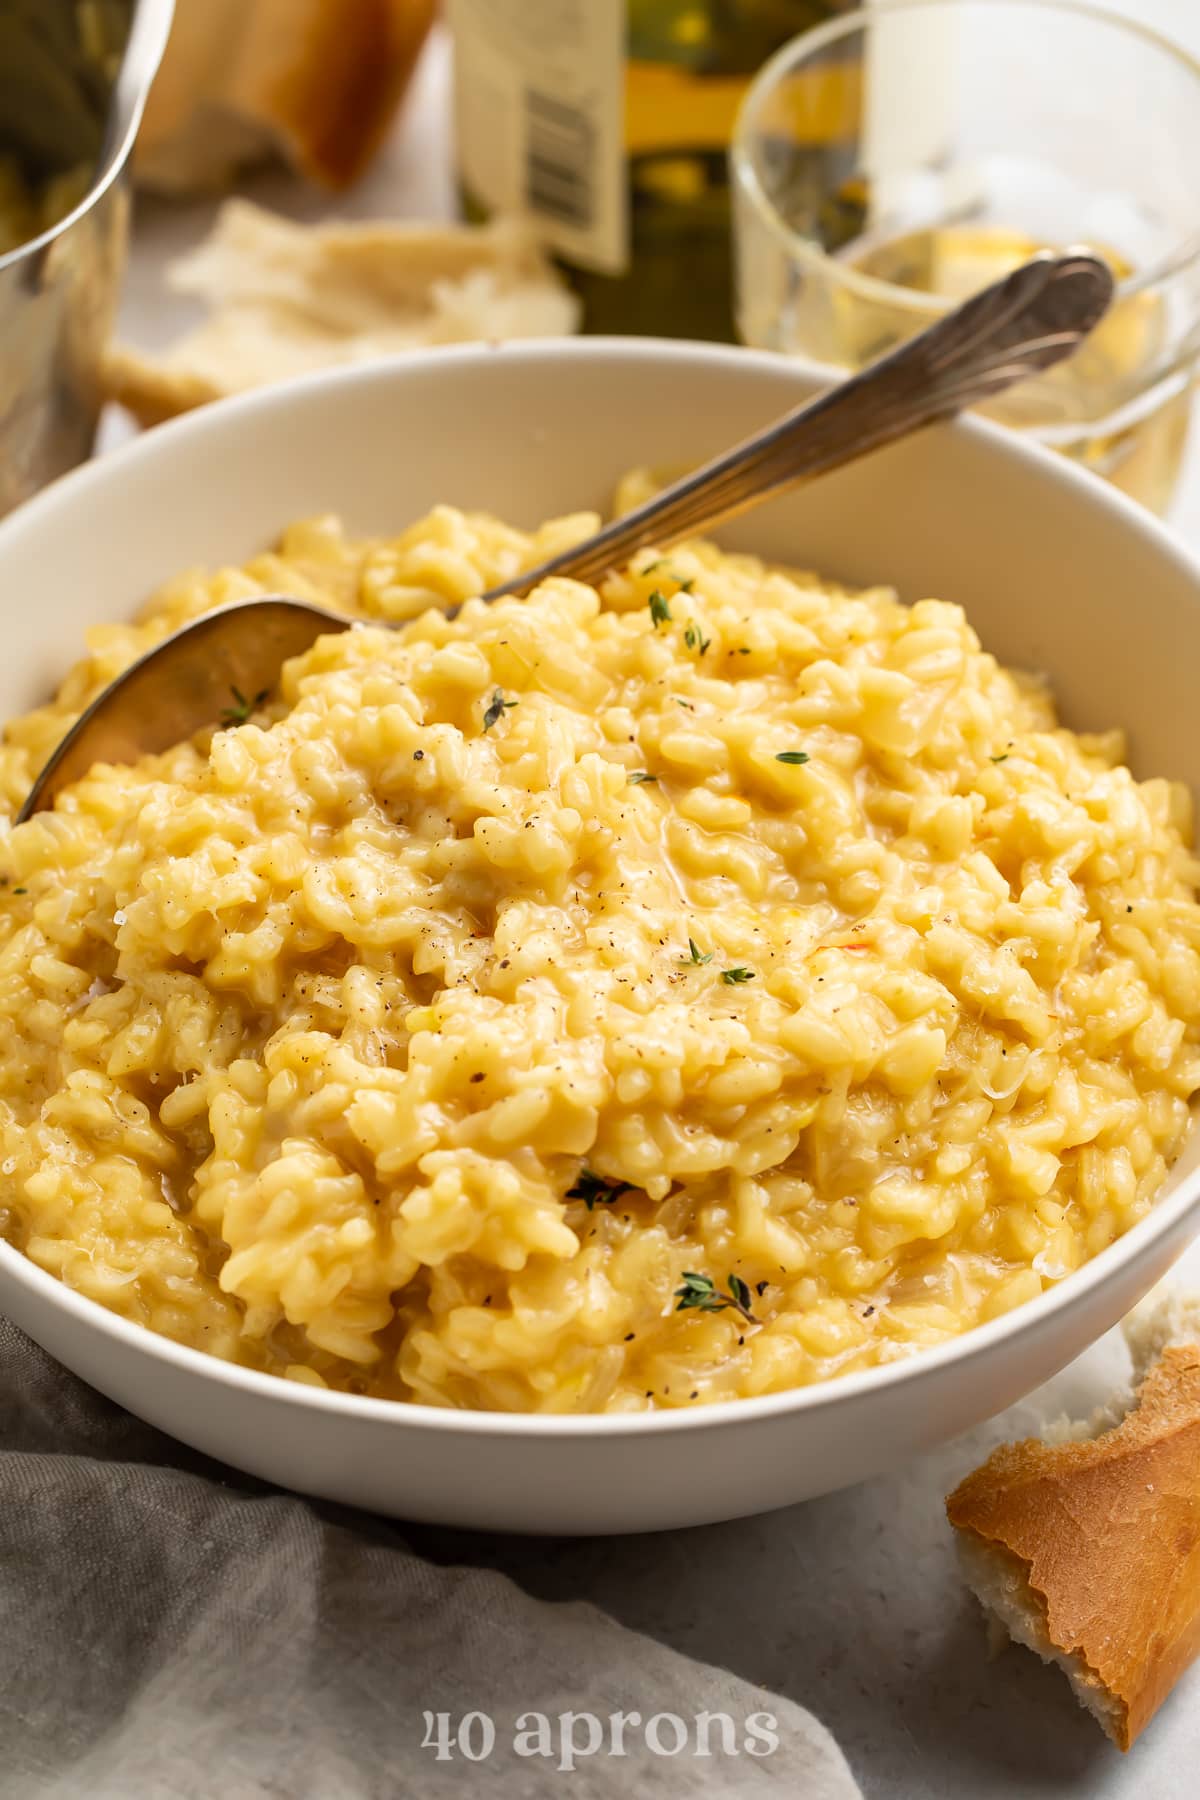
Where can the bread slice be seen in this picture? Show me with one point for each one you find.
(316, 81)
(284, 299)
(1087, 1550)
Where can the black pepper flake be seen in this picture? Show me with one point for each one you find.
(867, 1311)
(479, 1075)
(418, 756)
(760, 1288)
(629, 1336)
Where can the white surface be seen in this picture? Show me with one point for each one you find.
(851, 1604)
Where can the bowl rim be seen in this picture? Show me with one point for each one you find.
(216, 420)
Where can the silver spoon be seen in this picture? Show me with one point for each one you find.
(1014, 329)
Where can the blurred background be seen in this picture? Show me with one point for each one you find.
(323, 180)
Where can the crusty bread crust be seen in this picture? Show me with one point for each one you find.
(1107, 1536)
(998, 1579)
(317, 80)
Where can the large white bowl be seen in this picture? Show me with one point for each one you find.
(1056, 572)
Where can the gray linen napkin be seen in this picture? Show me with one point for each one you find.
(172, 1631)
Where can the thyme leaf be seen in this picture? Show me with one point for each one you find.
(596, 1190)
(701, 1293)
(496, 709)
(242, 707)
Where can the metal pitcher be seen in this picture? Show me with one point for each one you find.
(74, 75)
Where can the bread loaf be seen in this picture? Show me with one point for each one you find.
(1087, 1550)
(284, 299)
(316, 81)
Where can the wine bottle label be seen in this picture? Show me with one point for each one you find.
(540, 97)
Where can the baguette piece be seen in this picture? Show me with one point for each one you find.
(284, 299)
(1087, 1550)
(316, 81)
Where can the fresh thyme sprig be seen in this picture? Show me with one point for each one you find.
(596, 1190)
(702, 1293)
(735, 977)
(685, 583)
(240, 711)
(660, 612)
(695, 639)
(696, 955)
(497, 707)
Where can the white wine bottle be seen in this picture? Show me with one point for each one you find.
(608, 122)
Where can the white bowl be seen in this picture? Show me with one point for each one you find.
(1056, 572)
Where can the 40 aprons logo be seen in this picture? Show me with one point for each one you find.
(567, 1738)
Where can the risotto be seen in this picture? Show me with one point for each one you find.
(608, 1000)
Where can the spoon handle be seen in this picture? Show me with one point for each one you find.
(1013, 329)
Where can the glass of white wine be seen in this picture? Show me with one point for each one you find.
(890, 162)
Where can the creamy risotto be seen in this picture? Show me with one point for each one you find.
(606, 1000)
